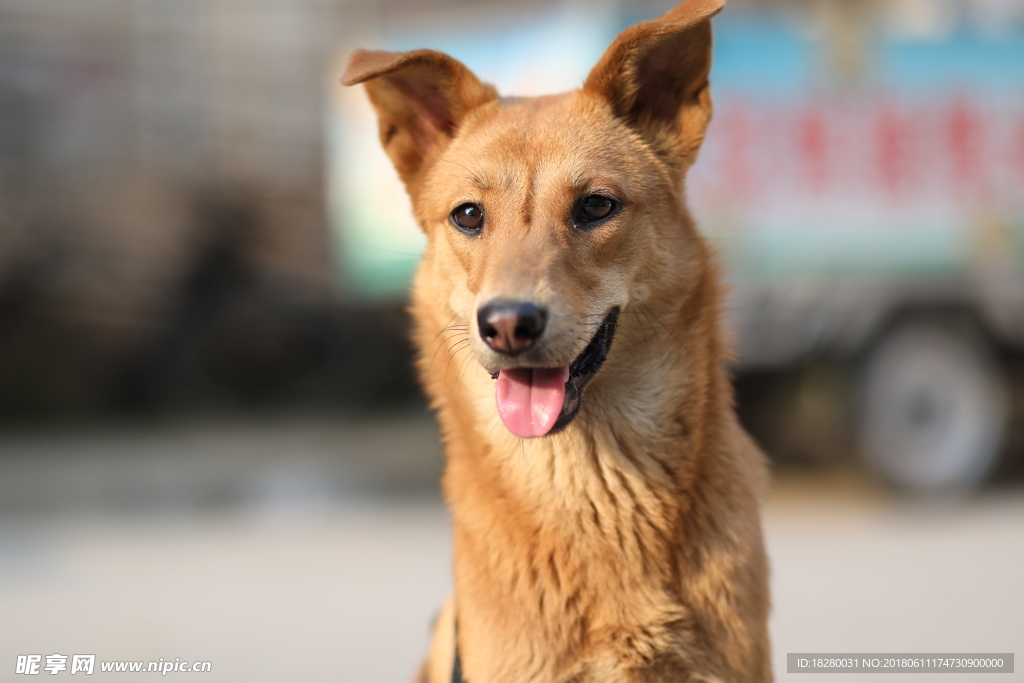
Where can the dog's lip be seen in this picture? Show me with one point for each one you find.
(593, 356)
(583, 369)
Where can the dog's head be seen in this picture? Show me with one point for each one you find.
(546, 217)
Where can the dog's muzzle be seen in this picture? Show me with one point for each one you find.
(540, 401)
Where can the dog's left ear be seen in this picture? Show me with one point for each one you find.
(655, 76)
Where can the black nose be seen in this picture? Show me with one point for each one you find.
(511, 327)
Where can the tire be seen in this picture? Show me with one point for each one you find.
(933, 408)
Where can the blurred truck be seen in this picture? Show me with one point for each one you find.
(863, 179)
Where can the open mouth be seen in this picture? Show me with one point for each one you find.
(540, 401)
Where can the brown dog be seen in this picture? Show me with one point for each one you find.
(605, 516)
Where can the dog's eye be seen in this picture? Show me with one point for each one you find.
(592, 209)
(468, 218)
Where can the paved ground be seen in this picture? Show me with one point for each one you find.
(262, 553)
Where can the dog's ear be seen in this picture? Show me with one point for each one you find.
(420, 97)
(655, 76)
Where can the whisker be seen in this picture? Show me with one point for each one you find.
(453, 353)
(584, 420)
(475, 177)
(658, 318)
(465, 364)
(643, 331)
(450, 341)
(702, 238)
(455, 335)
(495, 423)
(480, 175)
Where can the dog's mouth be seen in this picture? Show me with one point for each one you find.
(540, 401)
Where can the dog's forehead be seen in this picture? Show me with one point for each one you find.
(564, 137)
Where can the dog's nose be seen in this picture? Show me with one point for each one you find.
(511, 327)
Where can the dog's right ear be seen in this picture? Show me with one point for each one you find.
(421, 98)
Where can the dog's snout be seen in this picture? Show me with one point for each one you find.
(511, 327)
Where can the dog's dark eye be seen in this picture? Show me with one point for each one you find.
(468, 218)
(593, 209)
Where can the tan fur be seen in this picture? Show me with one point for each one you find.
(628, 546)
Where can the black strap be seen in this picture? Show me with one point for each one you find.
(457, 663)
(457, 667)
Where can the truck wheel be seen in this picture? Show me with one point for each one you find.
(933, 409)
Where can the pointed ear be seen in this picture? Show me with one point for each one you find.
(420, 97)
(655, 76)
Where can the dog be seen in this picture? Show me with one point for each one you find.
(604, 499)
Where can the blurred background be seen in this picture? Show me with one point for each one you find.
(212, 446)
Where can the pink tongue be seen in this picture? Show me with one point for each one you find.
(530, 399)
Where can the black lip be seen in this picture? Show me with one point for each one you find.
(583, 369)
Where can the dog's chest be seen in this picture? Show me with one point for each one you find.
(566, 616)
